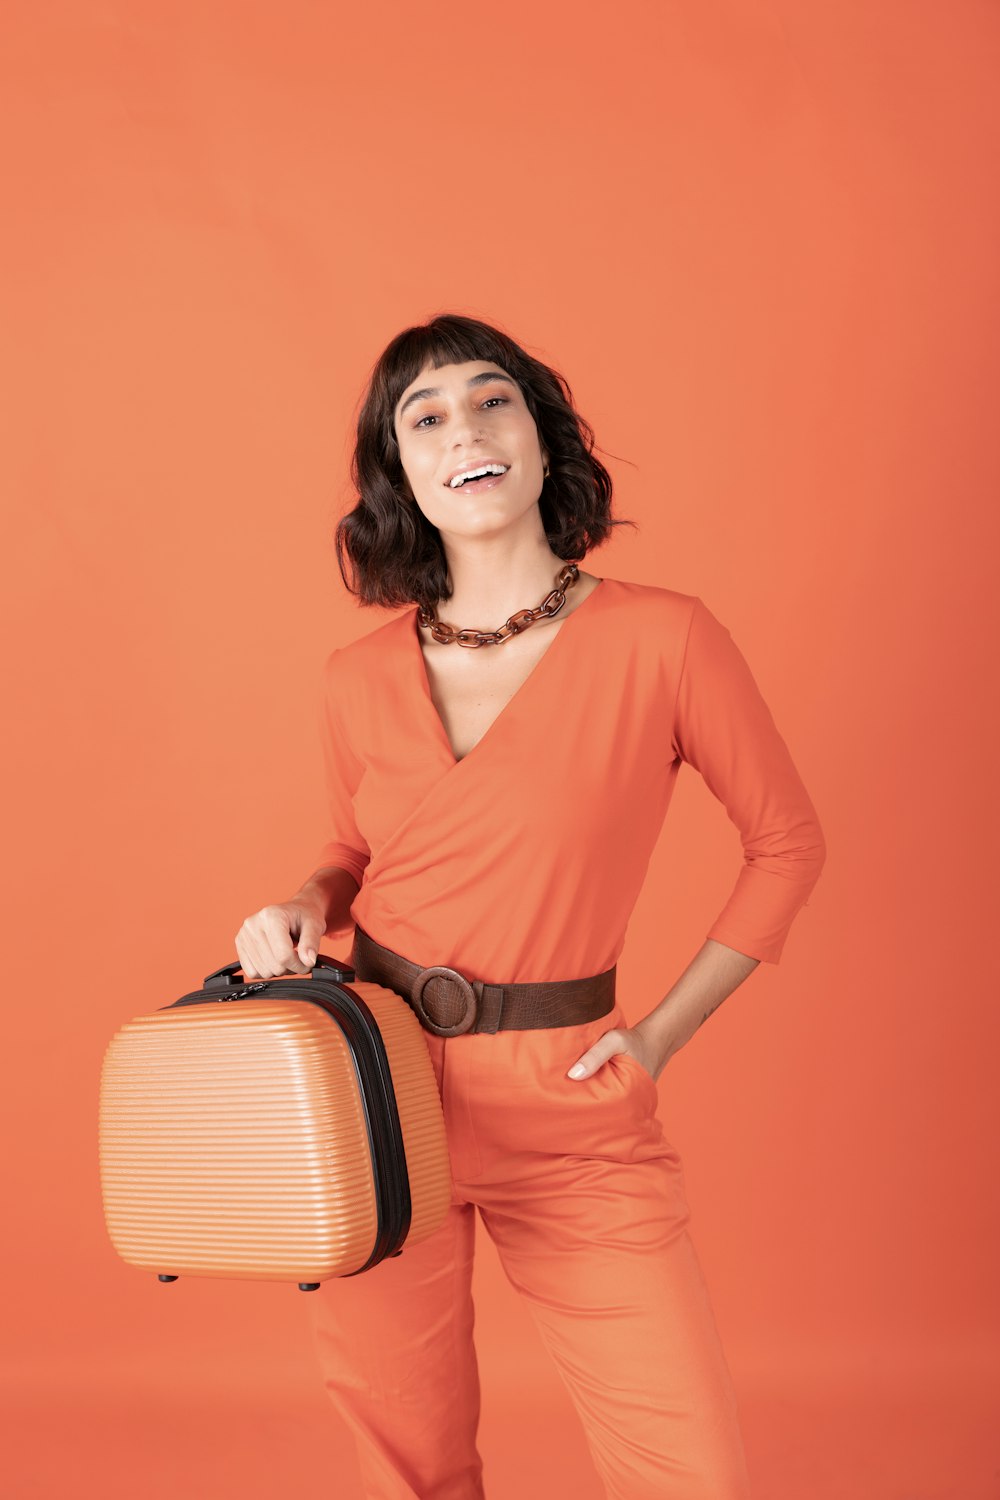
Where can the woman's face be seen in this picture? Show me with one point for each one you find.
(460, 417)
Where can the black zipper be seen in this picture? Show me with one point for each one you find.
(394, 1207)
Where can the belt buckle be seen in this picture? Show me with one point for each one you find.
(468, 994)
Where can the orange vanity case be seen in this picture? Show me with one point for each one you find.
(285, 1129)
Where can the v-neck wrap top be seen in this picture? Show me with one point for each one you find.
(522, 860)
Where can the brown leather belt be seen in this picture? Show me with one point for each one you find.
(458, 1004)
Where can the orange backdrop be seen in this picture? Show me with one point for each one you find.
(761, 243)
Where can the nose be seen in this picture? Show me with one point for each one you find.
(468, 429)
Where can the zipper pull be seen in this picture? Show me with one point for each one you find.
(247, 989)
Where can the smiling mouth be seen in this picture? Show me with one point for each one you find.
(476, 486)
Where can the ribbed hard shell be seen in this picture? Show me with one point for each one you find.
(233, 1140)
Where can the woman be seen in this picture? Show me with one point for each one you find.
(492, 811)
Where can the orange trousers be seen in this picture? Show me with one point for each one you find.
(584, 1198)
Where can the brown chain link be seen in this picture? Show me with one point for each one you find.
(524, 618)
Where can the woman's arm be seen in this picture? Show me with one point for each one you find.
(345, 851)
(711, 976)
(713, 973)
(724, 728)
(332, 890)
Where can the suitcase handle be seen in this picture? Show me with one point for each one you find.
(225, 977)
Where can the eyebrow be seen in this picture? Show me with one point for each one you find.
(483, 379)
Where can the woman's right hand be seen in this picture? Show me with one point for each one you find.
(281, 939)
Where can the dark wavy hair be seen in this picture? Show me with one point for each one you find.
(393, 552)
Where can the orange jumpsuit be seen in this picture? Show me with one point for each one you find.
(522, 861)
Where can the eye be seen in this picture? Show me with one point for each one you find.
(503, 400)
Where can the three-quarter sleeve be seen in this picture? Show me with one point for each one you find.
(724, 728)
(345, 846)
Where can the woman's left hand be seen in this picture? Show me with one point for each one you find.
(620, 1039)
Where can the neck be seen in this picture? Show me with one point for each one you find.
(487, 590)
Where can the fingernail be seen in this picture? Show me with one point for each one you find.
(577, 1070)
(309, 956)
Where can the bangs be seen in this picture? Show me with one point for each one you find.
(444, 345)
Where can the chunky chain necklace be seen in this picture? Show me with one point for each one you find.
(550, 605)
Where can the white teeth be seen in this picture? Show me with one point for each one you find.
(460, 479)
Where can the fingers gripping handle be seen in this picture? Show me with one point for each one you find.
(226, 976)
